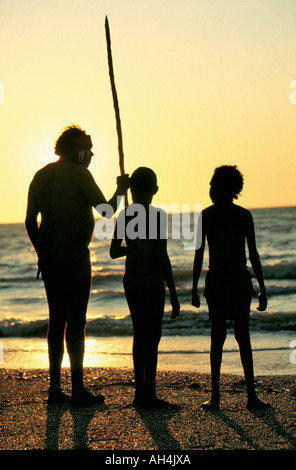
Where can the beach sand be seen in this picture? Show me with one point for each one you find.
(29, 423)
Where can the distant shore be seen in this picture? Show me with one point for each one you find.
(28, 423)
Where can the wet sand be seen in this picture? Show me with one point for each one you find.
(28, 423)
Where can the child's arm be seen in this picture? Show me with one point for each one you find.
(168, 276)
(171, 286)
(116, 248)
(197, 265)
(256, 263)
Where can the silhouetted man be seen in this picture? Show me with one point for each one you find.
(64, 193)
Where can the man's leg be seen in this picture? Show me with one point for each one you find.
(75, 339)
(55, 339)
(77, 286)
(55, 336)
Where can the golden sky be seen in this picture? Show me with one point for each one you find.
(200, 83)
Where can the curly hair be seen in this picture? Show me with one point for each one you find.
(227, 182)
(64, 143)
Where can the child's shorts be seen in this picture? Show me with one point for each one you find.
(146, 301)
(228, 295)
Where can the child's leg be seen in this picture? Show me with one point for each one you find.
(146, 305)
(218, 336)
(135, 302)
(145, 364)
(139, 364)
(151, 358)
(242, 336)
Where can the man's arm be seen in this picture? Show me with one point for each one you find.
(97, 198)
(31, 218)
(122, 187)
(256, 262)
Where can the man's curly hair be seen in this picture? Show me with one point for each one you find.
(227, 182)
(64, 143)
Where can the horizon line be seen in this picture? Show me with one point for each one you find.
(248, 208)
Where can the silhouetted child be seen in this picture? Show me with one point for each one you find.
(147, 267)
(228, 285)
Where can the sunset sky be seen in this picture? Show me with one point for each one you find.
(200, 83)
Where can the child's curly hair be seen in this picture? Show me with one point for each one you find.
(227, 182)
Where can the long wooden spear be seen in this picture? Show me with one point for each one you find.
(115, 102)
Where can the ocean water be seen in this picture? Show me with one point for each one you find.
(185, 341)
